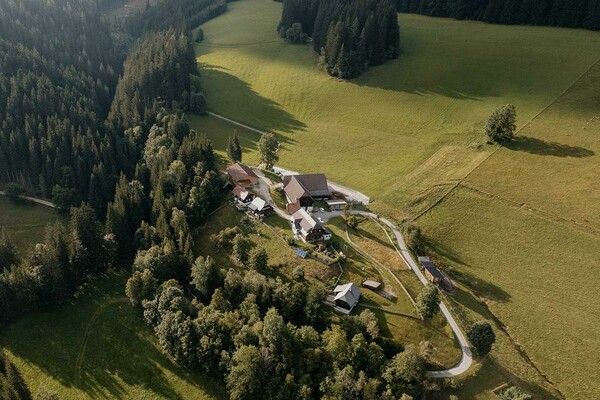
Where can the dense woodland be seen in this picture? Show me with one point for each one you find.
(59, 66)
(78, 126)
(349, 35)
(565, 13)
(181, 15)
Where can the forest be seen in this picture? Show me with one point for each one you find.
(349, 36)
(92, 115)
(562, 13)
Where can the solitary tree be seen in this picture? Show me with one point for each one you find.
(234, 150)
(268, 146)
(427, 302)
(501, 125)
(241, 249)
(482, 337)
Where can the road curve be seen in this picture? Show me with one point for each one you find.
(467, 357)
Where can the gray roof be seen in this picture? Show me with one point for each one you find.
(349, 293)
(303, 220)
(310, 182)
(432, 269)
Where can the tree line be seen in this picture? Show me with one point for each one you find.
(563, 13)
(181, 15)
(349, 35)
(264, 337)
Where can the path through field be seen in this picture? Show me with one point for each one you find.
(87, 334)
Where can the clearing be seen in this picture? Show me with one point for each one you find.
(26, 222)
(97, 346)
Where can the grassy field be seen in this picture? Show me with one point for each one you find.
(25, 223)
(408, 126)
(522, 230)
(525, 227)
(98, 347)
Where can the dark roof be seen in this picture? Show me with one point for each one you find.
(371, 284)
(241, 173)
(310, 182)
(295, 191)
(432, 269)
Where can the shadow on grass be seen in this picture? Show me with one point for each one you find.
(121, 352)
(483, 288)
(447, 82)
(543, 148)
(272, 116)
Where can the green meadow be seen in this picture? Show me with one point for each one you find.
(518, 226)
(26, 222)
(97, 346)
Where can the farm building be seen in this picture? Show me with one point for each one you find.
(434, 275)
(259, 208)
(242, 196)
(241, 175)
(369, 284)
(301, 191)
(346, 297)
(336, 204)
(306, 228)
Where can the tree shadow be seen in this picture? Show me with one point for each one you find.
(464, 275)
(455, 83)
(543, 148)
(121, 352)
(266, 114)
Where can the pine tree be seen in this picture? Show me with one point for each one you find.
(234, 150)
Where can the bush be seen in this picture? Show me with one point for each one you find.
(295, 34)
(414, 238)
(199, 35)
(482, 337)
(501, 125)
(515, 393)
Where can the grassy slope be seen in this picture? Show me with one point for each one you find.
(25, 223)
(122, 359)
(356, 269)
(407, 130)
(427, 107)
(536, 236)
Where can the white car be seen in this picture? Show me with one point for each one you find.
(322, 209)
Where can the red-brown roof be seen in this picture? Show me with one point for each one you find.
(241, 174)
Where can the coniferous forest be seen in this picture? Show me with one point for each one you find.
(563, 13)
(349, 35)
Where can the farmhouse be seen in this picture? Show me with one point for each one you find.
(336, 204)
(259, 208)
(346, 297)
(301, 191)
(434, 275)
(241, 175)
(306, 228)
(242, 196)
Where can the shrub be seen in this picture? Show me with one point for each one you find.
(482, 337)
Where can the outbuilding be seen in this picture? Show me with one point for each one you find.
(336, 204)
(346, 297)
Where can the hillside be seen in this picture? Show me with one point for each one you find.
(520, 227)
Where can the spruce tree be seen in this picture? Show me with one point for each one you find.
(234, 150)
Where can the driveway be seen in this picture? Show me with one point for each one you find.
(262, 189)
(467, 357)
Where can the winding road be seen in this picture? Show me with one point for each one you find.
(467, 357)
